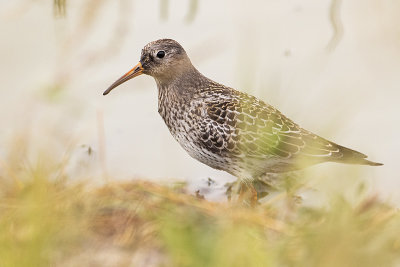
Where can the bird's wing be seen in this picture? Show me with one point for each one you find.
(248, 127)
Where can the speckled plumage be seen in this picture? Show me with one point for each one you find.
(227, 129)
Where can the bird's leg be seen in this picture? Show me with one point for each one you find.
(249, 191)
(253, 195)
(247, 194)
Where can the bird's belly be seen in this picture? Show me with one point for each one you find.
(190, 143)
(187, 136)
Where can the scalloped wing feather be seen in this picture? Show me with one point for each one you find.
(242, 126)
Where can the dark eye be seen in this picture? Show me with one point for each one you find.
(160, 54)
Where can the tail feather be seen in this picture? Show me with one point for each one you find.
(370, 163)
(351, 156)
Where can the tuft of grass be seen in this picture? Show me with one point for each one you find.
(46, 220)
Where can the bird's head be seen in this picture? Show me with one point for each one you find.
(163, 59)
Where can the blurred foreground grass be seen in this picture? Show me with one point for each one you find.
(47, 220)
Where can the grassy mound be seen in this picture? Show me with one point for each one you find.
(47, 220)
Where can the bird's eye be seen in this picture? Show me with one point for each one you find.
(160, 54)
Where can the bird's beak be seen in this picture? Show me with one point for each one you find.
(135, 71)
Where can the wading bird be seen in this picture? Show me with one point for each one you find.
(225, 128)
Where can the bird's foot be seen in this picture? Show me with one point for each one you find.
(243, 193)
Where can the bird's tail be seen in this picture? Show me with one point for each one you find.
(351, 156)
(370, 163)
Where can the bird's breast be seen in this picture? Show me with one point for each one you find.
(183, 120)
(178, 118)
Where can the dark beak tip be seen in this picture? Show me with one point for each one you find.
(106, 92)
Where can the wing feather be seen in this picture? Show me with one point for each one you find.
(240, 125)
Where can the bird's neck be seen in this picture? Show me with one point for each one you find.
(176, 93)
(182, 85)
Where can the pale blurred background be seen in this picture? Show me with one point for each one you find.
(331, 66)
